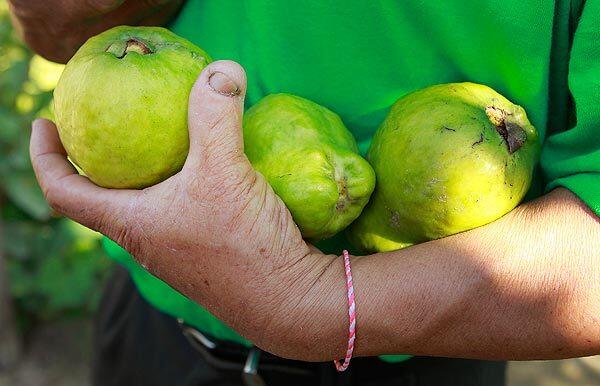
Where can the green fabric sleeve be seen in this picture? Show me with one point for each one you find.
(571, 158)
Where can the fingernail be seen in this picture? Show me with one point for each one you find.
(223, 84)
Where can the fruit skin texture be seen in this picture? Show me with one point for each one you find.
(121, 105)
(443, 166)
(310, 160)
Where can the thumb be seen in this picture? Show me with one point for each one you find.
(215, 113)
(73, 195)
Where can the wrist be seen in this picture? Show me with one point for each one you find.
(311, 321)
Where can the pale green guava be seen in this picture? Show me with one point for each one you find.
(447, 158)
(121, 105)
(311, 161)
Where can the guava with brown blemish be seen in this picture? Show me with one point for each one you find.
(121, 105)
(311, 161)
(447, 158)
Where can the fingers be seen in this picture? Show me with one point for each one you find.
(71, 194)
(215, 114)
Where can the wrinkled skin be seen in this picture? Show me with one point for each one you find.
(121, 105)
(447, 158)
(215, 215)
(311, 160)
(217, 233)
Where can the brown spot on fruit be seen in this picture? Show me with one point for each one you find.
(514, 136)
(395, 219)
(343, 193)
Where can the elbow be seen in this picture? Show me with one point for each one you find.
(578, 331)
(571, 323)
(572, 312)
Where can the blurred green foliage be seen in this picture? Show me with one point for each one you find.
(56, 267)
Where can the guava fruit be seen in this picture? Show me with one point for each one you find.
(311, 161)
(448, 158)
(121, 105)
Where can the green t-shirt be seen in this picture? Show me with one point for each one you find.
(358, 57)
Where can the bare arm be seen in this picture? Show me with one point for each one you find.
(55, 29)
(525, 286)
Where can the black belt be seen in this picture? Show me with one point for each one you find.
(234, 357)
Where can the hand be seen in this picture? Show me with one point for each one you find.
(57, 28)
(215, 231)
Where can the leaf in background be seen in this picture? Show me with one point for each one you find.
(22, 284)
(28, 240)
(22, 189)
(43, 101)
(56, 267)
(10, 212)
(11, 81)
(11, 127)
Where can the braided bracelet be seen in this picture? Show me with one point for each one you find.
(352, 315)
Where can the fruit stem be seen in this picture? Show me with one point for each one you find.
(134, 45)
(121, 48)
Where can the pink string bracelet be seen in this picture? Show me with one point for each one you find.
(352, 315)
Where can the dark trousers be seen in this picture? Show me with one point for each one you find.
(137, 345)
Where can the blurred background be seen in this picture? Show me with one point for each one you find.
(52, 269)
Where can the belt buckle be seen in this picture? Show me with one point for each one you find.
(205, 345)
(196, 336)
(250, 374)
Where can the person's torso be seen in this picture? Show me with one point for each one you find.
(357, 58)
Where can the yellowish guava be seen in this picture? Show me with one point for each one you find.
(311, 161)
(121, 105)
(448, 158)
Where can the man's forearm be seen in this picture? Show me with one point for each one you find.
(521, 287)
(55, 29)
(526, 286)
